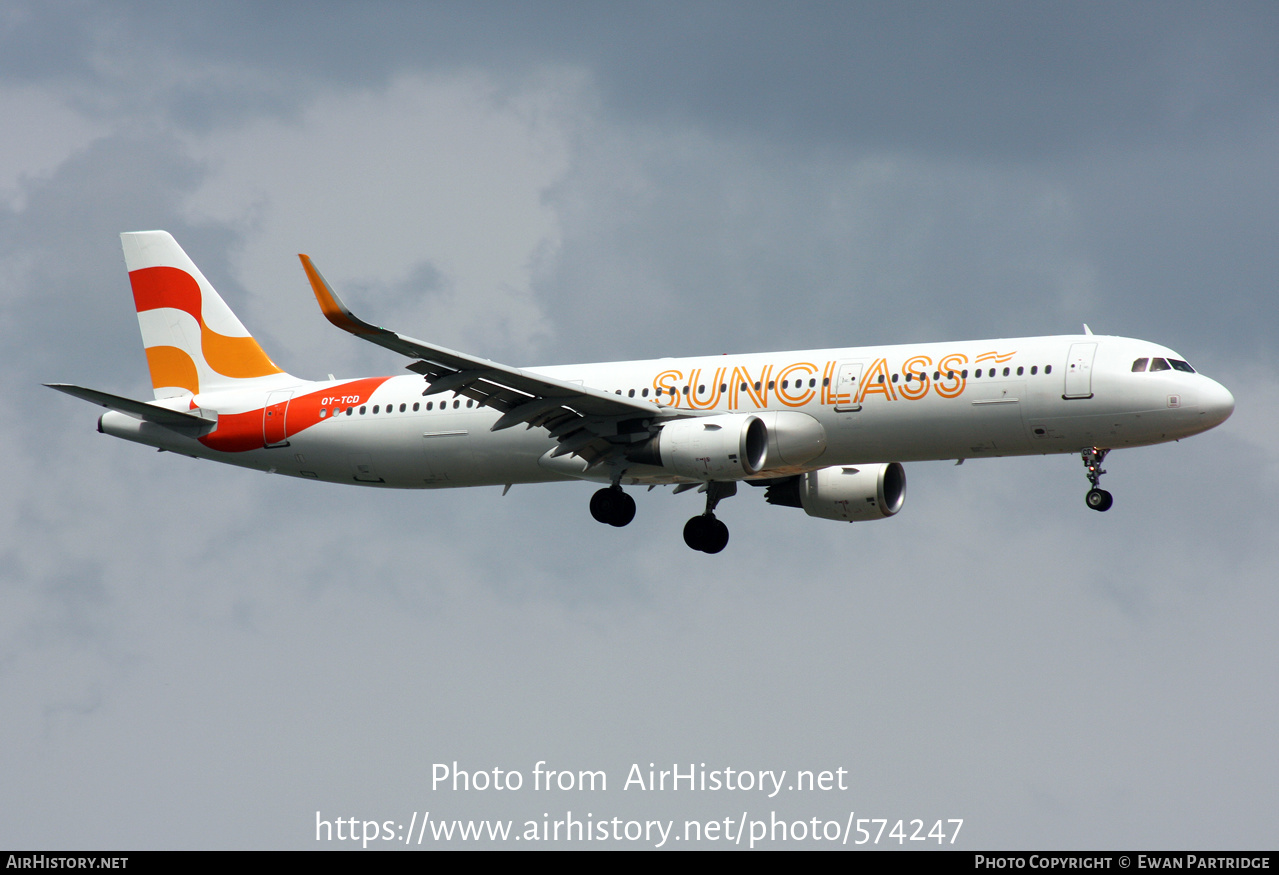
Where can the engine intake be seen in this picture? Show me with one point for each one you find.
(729, 446)
(850, 493)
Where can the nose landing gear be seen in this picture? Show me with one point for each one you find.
(1097, 498)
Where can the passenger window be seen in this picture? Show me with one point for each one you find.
(323, 413)
(348, 411)
(1034, 369)
(630, 393)
(1006, 372)
(1048, 369)
(375, 407)
(644, 393)
(402, 408)
(416, 406)
(456, 403)
(1020, 371)
(361, 411)
(1159, 365)
(964, 373)
(1139, 365)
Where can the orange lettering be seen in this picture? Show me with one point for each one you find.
(784, 392)
(877, 382)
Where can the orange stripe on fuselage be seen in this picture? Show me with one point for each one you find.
(241, 432)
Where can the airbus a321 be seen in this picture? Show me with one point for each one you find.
(824, 430)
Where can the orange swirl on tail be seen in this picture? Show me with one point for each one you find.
(234, 357)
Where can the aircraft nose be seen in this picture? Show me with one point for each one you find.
(1216, 403)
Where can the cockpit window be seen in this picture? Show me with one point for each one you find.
(1159, 365)
(1139, 365)
(1179, 365)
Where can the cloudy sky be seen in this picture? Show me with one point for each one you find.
(200, 656)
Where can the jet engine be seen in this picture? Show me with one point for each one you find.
(729, 446)
(793, 437)
(849, 493)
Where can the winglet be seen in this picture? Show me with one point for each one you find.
(331, 305)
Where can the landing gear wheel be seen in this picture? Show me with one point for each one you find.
(695, 532)
(1099, 499)
(706, 533)
(624, 512)
(612, 506)
(718, 537)
(602, 505)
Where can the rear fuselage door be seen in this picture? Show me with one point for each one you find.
(274, 431)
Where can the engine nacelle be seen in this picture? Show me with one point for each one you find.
(793, 437)
(729, 446)
(849, 493)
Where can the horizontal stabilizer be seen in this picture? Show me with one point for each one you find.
(197, 422)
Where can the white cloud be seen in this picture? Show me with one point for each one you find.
(445, 174)
(41, 131)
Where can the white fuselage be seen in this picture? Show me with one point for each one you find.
(914, 402)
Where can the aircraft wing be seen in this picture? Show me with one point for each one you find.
(588, 422)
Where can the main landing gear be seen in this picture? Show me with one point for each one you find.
(613, 506)
(705, 532)
(1097, 498)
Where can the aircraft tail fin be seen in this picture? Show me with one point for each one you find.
(194, 343)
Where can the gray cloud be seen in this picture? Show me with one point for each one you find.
(1002, 80)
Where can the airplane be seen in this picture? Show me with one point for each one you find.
(823, 430)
